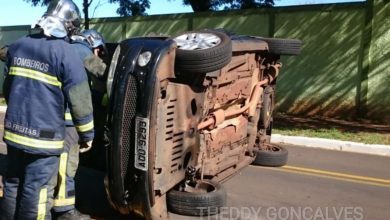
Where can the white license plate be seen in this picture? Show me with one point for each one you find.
(142, 142)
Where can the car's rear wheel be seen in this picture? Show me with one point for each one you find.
(271, 155)
(205, 199)
(202, 51)
(284, 46)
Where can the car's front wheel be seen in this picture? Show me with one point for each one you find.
(202, 51)
(205, 199)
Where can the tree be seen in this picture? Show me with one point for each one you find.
(202, 5)
(131, 7)
(126, 7)
(214, 5)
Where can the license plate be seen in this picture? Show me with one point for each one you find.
(142, 140)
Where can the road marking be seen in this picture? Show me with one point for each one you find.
(343, 175)
(336, 175)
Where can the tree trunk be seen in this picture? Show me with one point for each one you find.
(86, 15)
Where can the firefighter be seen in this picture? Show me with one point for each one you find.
(43, 77)
(87, 45)
(90, 46)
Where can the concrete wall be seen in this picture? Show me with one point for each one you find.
(323, 79)
(376, 68)
(7, 36)
(341, 72)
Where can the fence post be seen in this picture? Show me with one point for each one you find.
(190, 23)
(124, 30)
(364, 62)
(271, 22)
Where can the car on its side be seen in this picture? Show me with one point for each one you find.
(186, 113)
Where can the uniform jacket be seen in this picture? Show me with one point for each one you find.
(43, 76)
(82, 50)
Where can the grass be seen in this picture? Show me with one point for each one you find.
(2, 101)
(333, 133)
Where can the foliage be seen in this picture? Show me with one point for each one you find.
(139, 7)
(131, 7)
(214, 5)
(36, 2)
(126, 7)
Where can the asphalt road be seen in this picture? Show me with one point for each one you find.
(316, 184)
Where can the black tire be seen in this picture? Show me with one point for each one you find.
(275, 156)
(197, 204)
(267, 107)
(284, 46)
(205, 60)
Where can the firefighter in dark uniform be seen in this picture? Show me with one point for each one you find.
(85, 45)
(91, 48)
(43, 77)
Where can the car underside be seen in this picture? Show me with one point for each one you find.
(186, 113)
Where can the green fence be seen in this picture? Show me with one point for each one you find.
(343, 70)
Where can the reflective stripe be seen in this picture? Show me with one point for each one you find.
(64, 202)
(33, 74)
(42, 204)
(68, 116)
(62, 174)
(86, 127)
(31, 142)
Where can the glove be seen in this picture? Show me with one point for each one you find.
(95, 66)
(85, 146)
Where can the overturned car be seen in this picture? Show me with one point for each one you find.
(186, 113)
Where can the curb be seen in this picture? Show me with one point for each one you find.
(329, 144)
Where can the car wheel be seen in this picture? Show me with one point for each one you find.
(202, 51)
(205, 199)
(272, 156)
(284, 46)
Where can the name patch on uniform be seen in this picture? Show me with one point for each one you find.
(33, 64)
(142, 142)
(21, 129)
(46, 134)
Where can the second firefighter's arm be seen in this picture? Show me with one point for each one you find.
(77, 91)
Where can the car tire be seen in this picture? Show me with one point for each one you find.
(202, 60)
(284, 46)
(197, 204)
(274, 156)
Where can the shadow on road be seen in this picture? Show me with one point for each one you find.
(91, 196)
